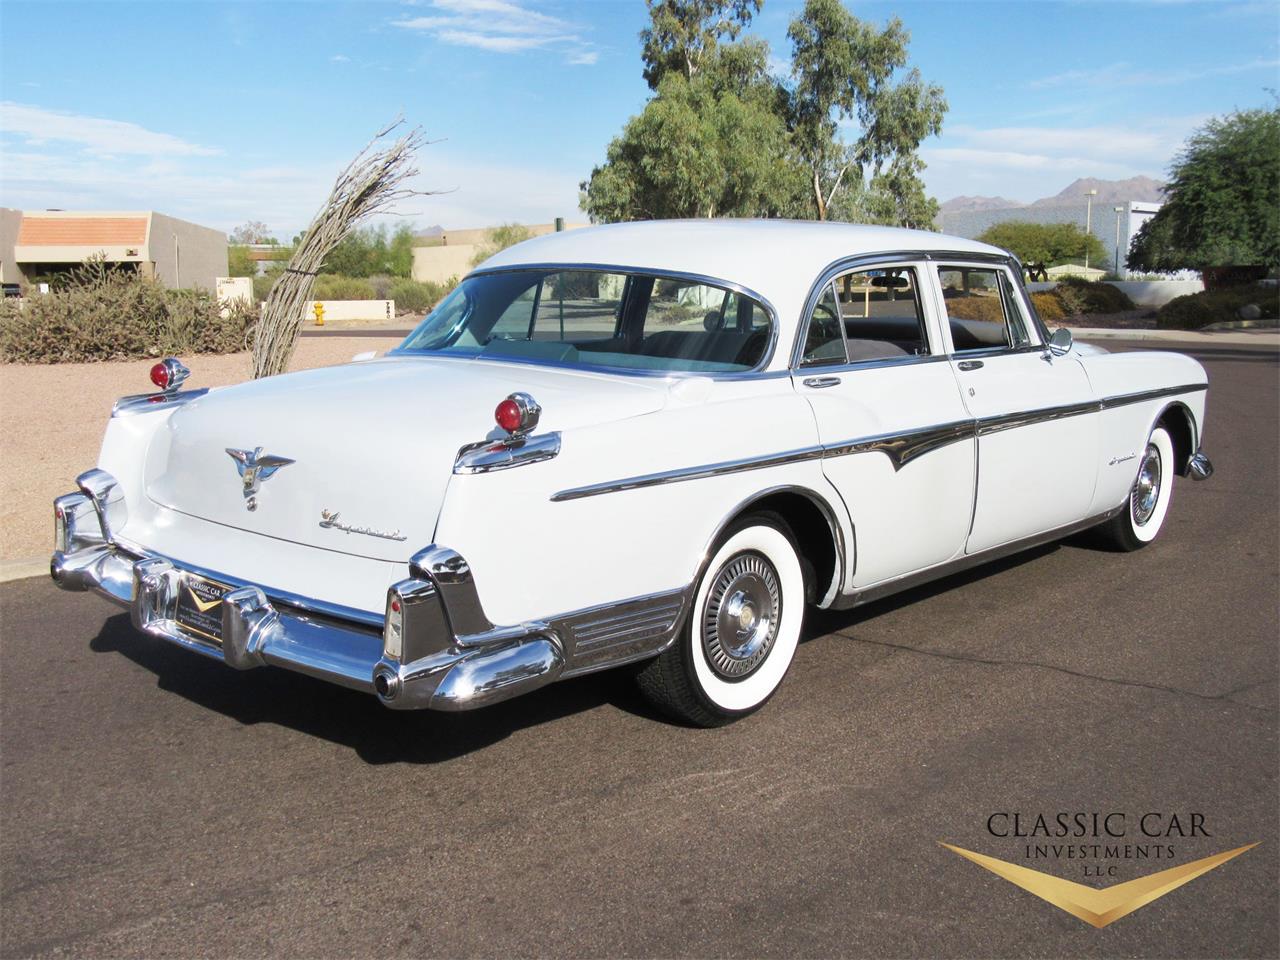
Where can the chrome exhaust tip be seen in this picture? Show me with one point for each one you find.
(386, 685)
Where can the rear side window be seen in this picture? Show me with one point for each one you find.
(979, 314)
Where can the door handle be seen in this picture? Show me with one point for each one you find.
(970, 364)
(817, 383)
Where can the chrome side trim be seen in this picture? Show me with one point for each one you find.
(902, 448)
(151, 402)
(1124, 399)
(487, 456)
(690, 473)
(1025, 418)
(880, 590)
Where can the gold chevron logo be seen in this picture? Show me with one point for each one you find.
(1093, 906)
(204, 606)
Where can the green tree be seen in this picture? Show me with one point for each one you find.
(239, 263)
(1223, 206)
(683, 34)
(845, 70)
(1047, 243)
(499, 238)
(695, 151)
(400, 251)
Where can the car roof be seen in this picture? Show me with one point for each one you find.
(779, 260)
(728, 249)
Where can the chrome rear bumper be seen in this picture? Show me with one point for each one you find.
(456, 660)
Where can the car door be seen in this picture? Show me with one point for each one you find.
(1037, 419)
(898, 441)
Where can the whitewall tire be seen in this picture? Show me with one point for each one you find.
(1143, 515)
(741, 632)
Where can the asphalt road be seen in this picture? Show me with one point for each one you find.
(153, 803)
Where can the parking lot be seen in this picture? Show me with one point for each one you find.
(155, 803)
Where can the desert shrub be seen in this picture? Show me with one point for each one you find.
(100, 314)
(1196, 310)
(964, 306)
(1049, 306)
(1092, 296)
(334, 287)
(414, 296)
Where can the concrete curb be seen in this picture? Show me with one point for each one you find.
(1257, 338)
(23, 569)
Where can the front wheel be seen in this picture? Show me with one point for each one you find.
(740, 635)
(1140, 521)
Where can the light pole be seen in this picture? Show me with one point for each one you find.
(1118, 210)
(1088, 222)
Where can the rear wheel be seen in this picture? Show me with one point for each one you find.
(1140, 521)
(741, 633)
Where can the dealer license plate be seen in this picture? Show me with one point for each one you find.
(199, 609)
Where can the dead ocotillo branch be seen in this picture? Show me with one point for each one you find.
(372, 183)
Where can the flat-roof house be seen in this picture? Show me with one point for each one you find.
(37, 244)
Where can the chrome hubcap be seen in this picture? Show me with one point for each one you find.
(1146, 489)
(740, 620)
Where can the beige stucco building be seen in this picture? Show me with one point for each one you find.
(35, 244)
(450, 254)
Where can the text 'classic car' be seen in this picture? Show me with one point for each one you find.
(651, 444)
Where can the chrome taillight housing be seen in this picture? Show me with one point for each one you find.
(518, 414)
(169, 374)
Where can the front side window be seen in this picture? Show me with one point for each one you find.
(979, 313)
(596, 318)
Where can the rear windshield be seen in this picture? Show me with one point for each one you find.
(597, 319)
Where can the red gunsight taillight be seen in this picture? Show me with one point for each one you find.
(518, 414)
(508, 415)
(160, 375)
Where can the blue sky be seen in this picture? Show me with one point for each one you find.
(225, 111)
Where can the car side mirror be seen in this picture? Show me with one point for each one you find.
(1060, 341)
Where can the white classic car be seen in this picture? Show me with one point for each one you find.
(701, 428)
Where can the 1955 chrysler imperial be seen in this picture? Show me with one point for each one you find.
(700, 428)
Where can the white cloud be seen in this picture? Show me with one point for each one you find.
(339, 58)
(584, 58)
(499, 26)
(36, 125)
(1028, 162)
(1125, 74)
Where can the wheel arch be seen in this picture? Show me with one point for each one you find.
(1180, 423)
(815, 525)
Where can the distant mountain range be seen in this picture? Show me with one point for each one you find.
(1109, 191)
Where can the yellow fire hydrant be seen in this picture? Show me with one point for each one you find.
(319, 308)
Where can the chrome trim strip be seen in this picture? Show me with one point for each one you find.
(730, 285)
(1025, 418)
(151, 402)
(690, 473)
(901, 448)
(1125, 399)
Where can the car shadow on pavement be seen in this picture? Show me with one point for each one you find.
(353, 719)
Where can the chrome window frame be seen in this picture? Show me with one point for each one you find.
(759, 371)
(919, 258)
(916, 261)
(1013, 274)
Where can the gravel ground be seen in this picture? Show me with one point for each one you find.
(52, 418)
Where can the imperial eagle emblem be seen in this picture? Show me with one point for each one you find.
(255, 468)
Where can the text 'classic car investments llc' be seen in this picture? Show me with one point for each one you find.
(649, 443)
